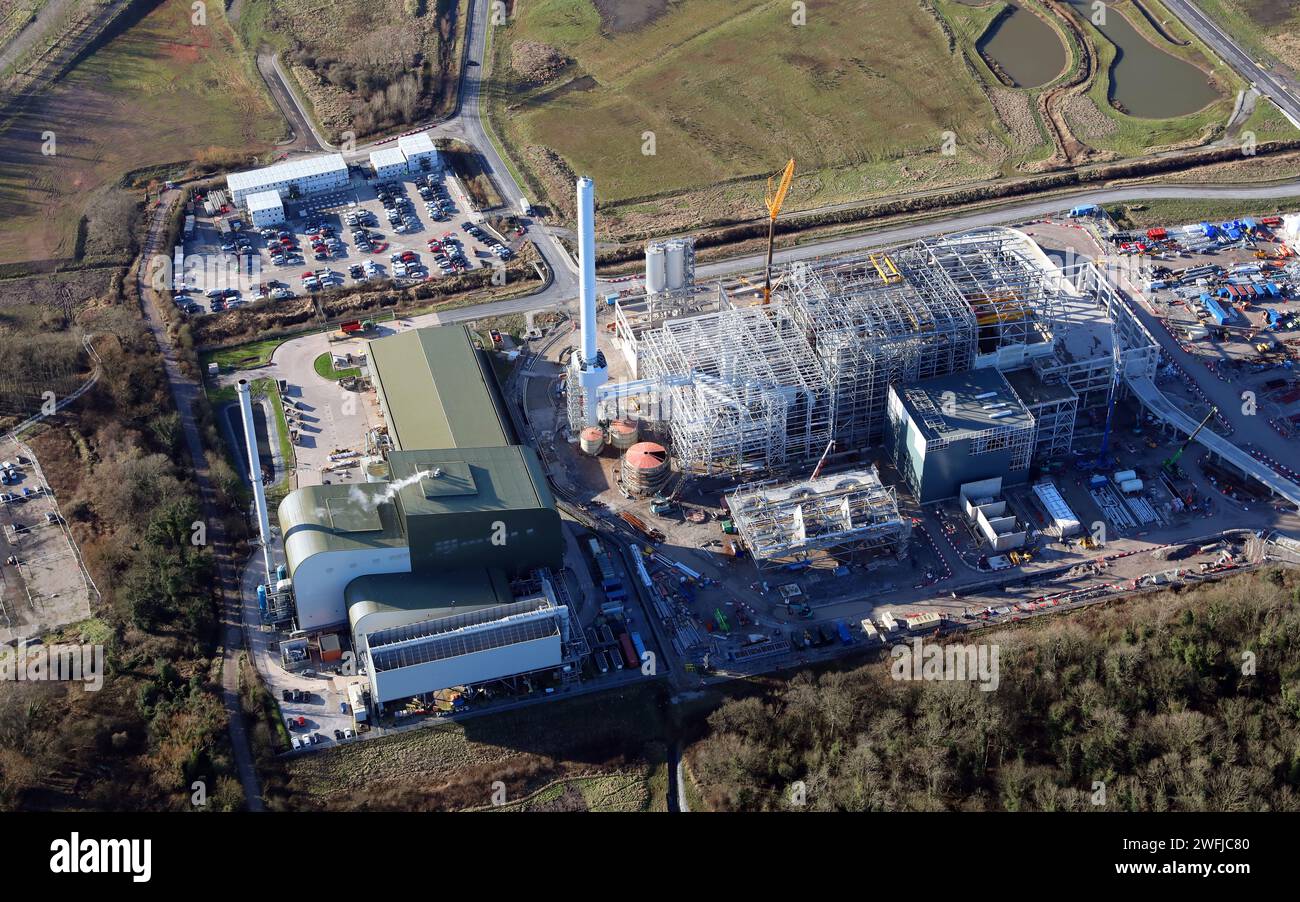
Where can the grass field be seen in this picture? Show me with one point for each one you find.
(1172, 212)
(324, 366)
(161, 91)
(1266, 28)
(242, 357)
(731, 89)
(602, 752)
(726, 91)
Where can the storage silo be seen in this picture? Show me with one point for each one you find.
(655, 271)
(645, 468)
(376, 469)
(592, 440)
(675, 252)
(624, 433)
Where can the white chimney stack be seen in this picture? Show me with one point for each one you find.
(593, 373)
(255, 476)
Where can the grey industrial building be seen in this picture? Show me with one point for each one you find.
(956, 429)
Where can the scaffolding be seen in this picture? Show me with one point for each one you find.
(755, 400)
(845, 516)
(750, 389)
(1055, 408)
(869, 332)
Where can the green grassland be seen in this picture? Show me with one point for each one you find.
(161, 91)
(861, 95)
(731, 89)
(1265, 28)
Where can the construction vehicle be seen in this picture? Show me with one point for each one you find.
(1020, 557)
(1171, 465)
(773, 200)
(1089, 543)
(802, 609)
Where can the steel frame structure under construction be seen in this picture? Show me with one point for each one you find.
(755, 400)
(929, 309)
(761, 389)
(846, 514)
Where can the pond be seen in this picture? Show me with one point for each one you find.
(1145, 79)
(1024, 47)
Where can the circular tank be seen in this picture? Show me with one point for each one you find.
(655, 263)
(624, 433)
(645, 467)
(377, 470)
(592, 440)
(676, 265)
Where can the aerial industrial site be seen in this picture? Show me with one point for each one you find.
(579, 406)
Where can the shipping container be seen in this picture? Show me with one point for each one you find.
(629, 651)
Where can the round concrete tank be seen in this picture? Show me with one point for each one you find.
(624, 433)
(645, 468)
(676, 265)
(377, 470)
(592, 440)
(655, 271)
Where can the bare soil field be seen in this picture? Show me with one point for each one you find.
(159, 91)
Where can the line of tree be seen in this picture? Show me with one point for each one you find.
(1180, 701)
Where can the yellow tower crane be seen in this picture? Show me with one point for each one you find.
(774, 199)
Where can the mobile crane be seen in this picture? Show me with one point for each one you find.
(773, 200)
(1171, 465)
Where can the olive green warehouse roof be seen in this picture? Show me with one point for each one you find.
(436, 391)
(469, 499)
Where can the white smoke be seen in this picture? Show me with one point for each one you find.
(367, 500)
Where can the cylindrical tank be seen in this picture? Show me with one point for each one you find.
(624, 433)
(655, 271)
(676, 265)
(377, 470)
(261, 597)
(282, 572)
(1124, 475)
(645, 468)
(592, 440)
(1129, 486)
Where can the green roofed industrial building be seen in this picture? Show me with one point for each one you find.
(433, 548)
(436, 391)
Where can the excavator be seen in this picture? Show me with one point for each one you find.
(1171, 465)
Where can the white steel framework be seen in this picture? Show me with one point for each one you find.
(845, 514)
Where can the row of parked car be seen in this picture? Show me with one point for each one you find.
(484, 237)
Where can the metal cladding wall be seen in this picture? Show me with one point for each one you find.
(477, 667)
(526, 539)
